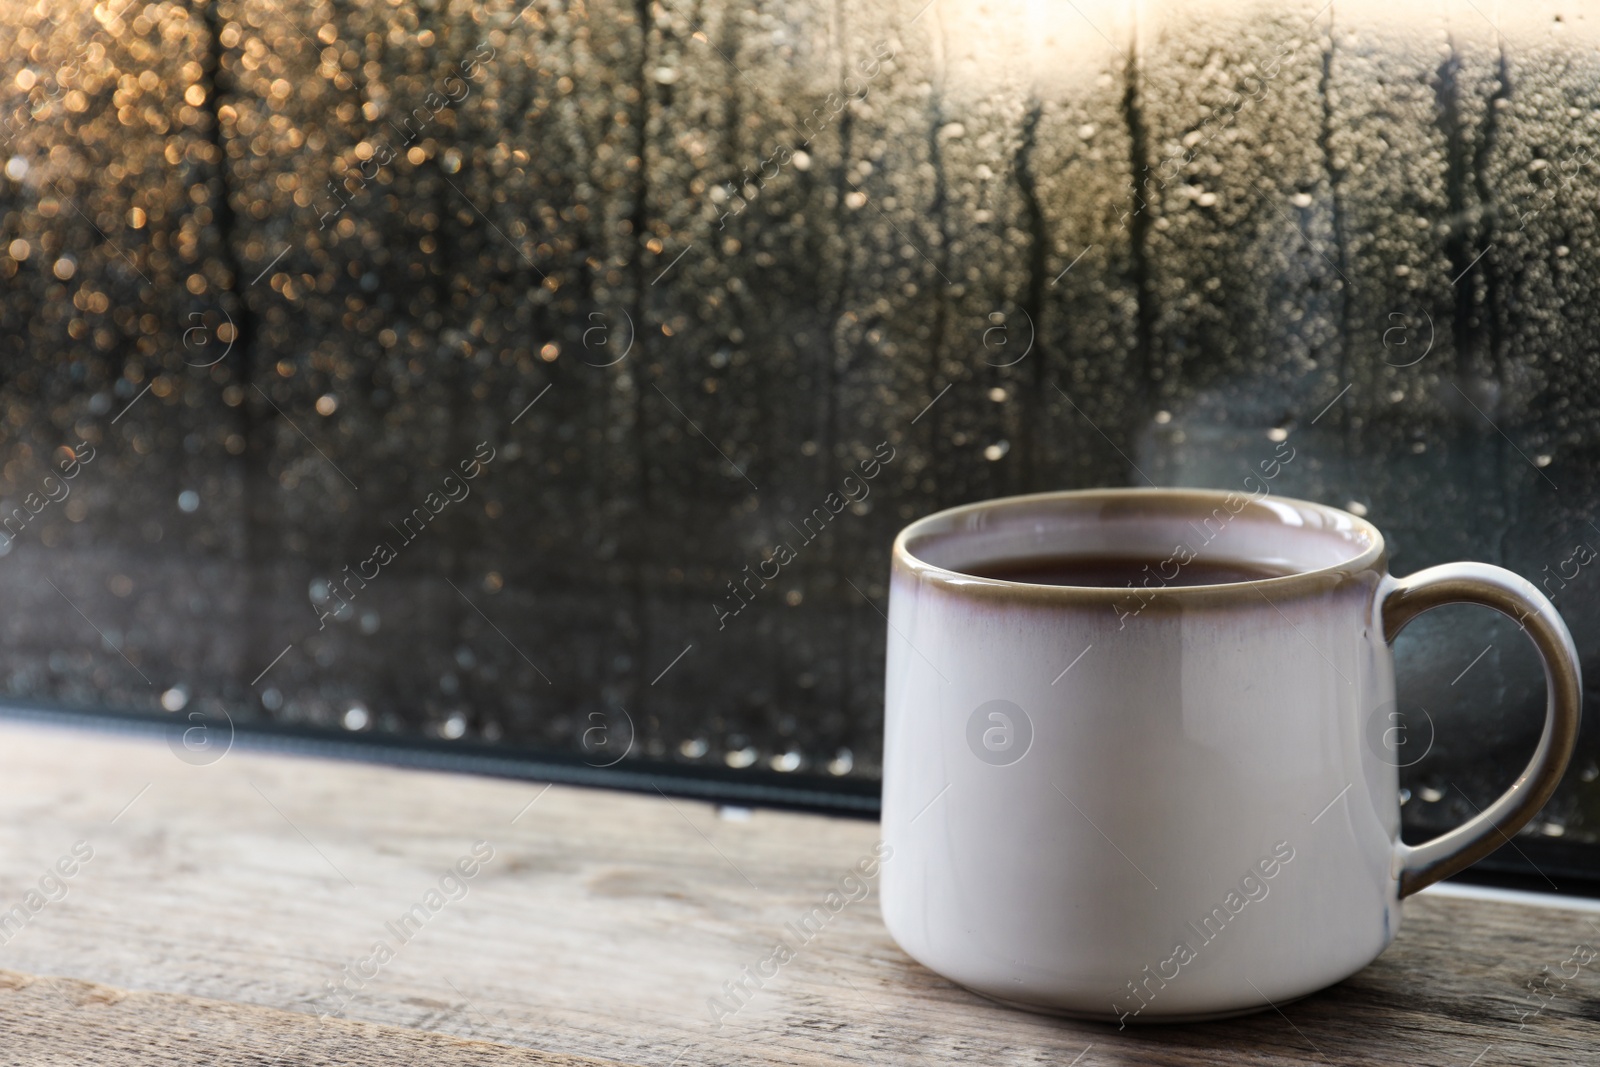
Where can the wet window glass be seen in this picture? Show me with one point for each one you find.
(552, 377)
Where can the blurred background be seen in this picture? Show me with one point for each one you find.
(278, 276)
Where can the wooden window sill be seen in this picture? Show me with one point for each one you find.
(222, 901)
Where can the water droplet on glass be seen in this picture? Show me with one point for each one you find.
(786, 761)
(356, 716)
(843, 763)
(271, 699)
(175, 698)
(189, 501)
(453, 727)
(739, 758)
(1430, 794)
(694, 748)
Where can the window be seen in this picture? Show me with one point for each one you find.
(448, 377)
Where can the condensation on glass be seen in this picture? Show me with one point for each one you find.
(709, 299)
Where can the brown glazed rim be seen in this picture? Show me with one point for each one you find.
(1180, 500)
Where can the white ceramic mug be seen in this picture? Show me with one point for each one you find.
(1169, 803)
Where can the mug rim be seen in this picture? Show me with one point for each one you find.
(1317, 579)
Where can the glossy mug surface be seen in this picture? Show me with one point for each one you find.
(1170, 801)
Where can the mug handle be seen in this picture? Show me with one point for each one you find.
(1519, 600)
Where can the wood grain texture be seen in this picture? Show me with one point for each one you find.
(224, 899)
(63, 1021)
